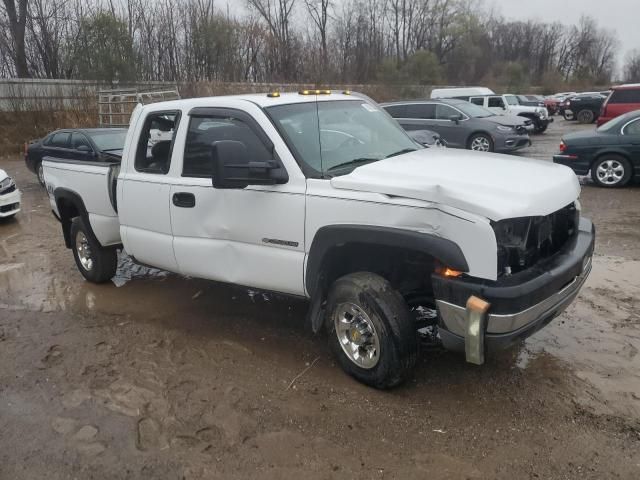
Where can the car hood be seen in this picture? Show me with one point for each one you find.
(492, 185)
(508, 120)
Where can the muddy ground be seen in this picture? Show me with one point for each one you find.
(169, 377)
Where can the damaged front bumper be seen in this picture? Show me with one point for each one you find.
(516, 306)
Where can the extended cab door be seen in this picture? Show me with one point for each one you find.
(252, 236)
(144, 191)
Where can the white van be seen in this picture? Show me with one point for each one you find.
(458, 92)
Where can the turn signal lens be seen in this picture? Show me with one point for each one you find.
(448, 272)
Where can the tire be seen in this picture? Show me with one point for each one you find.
(96, 263)
(611, 171)
(40, 174)
(383, 345)
(586, 116)
(541, 128)
(568, 116)
(480, 142)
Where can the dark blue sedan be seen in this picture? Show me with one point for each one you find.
(611, 153)
(82, 144)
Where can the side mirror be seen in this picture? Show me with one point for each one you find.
(456, 118)
(83, 149)
(233, 169)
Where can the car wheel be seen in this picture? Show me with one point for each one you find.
(96, 263)
(568, 115)
(586, 116)
(370, 330)
(611, 171)
(480, 142)
(540, 128)
(40, 173)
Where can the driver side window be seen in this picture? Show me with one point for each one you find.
(496, 102)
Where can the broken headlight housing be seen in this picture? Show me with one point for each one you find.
(523, 242)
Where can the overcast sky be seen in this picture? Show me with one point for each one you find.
(622, 16)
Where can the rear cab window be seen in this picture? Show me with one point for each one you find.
(155, 145)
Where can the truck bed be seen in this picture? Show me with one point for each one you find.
(94, 183)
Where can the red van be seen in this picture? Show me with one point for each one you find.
(623, 99)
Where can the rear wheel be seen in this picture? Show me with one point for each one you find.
(96, 263)
(586, 116)
(370, 330)
(40, 173)
(480, 142)
(611, 171)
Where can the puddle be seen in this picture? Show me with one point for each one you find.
(598, 337)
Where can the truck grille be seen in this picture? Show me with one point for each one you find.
(523, 242)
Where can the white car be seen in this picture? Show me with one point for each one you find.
(322, 195)
(9, 196)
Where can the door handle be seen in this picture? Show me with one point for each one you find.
(184, 200)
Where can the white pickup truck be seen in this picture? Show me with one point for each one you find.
(322, 195)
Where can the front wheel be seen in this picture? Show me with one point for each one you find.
(611, 171)
(480, 142)
(96, 263)
(541, 127)
(568, 115)
(370, 330)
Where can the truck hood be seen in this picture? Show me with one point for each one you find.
(492, 185)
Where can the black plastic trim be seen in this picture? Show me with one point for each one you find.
(74, 198)
(331, 236)
(516, 293)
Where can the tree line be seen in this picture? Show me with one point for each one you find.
(314, 41)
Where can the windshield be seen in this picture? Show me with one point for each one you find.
(108, 141)
(617, 123)
(474, 111)
(335, 137)
(512, 100)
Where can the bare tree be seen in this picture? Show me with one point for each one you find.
(632, 67)
(17, 20)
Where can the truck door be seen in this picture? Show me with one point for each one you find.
(144, 194)
(252, 236)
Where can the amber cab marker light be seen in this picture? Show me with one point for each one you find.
(449, 272)
(273, 95)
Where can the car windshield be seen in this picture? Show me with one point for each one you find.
(512, 100)
(334, 137)
(617, 123)
(109, 141)
(473, 110)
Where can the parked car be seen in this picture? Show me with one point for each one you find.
(611, 153)
(531, 100)
(10, 196)
(462, 124)
(584, 107)
(321, 195)
(622, 99)
(501, 104)
(83, 144)
(460, 92)
(427, 138)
